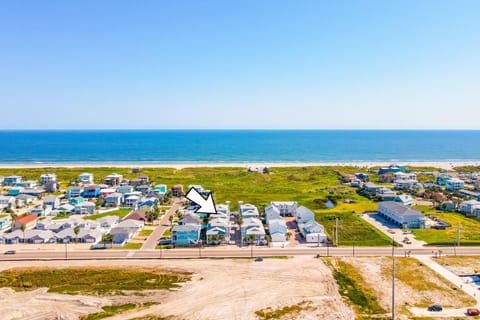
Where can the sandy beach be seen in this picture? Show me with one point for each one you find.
(445, 165)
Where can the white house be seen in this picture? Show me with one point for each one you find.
(313, 232)
(252, 231)
(48, 177)
(468, 207)
(278, 230)
(401, 215)
(247, 210)
(85, 178)
(114, 199)
(126, 230)
(52, 201)
(286, 208)
(85, 207)
(7, 201)
(304, 215)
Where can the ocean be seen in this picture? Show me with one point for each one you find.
(237, 146)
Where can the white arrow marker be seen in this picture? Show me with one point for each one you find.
(206, 205)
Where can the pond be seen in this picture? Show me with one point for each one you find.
(329, 204)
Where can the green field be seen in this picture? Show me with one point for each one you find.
(468, 228)
(309, 186)
(95, 281)
(121, 213)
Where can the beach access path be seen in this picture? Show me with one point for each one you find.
(164, 224)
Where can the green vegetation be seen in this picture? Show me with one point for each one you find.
(109, 311)
(352, 286)
(468, 229)
(145, 232)
(121, 213)
(131, 246)
(293, 310)
(352, 230)
(309, 186)
(426, 282)
(93, 281)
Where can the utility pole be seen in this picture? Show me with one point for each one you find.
(458, 234)
(353, 249)
(336, 232)
(393, 279)
(66, 255)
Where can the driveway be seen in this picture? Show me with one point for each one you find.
(392, 231)
(164, 224)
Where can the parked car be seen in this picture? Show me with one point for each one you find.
(473, 312)
(258, 259)
(10, 252)
(435, 307)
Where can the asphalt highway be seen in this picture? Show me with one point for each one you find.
(231, 252)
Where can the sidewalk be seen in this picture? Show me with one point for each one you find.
(456, 281)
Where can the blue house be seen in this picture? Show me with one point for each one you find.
(15, 191)
(11, 180)
(186, 234)
(391, 169)
(74, 192)
(75, 201)
(91, 192)
(160, 188)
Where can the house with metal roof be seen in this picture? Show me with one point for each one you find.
(401, 215)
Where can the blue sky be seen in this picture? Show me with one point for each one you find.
(240, 64)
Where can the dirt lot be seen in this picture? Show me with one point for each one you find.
(220, 289)
(460, 265)
(416, 284)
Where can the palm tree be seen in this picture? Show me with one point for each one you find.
(171, 220)
(76, 230)
(23, 227)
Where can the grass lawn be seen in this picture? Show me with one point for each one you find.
(468, 229)
(131, 246)
(93, 281)
(309, 186)
(168, 233)
(290, 311)
(121, 213)
(145, 232)
(352, 230)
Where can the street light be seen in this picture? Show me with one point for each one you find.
(393, 279)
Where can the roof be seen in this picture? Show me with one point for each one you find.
(137, 215)
(50, 199)
(186, 228)
(303, 210)
(26, 219)
(189, 219)
(399, 209)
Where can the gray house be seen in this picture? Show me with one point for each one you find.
(401, 215)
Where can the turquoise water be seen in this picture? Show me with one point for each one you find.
(186, 146)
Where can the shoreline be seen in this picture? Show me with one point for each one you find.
(446, 165)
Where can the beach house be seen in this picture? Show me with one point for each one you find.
(218, 230)
(11, 180)
(73, 192)
(247, 210)
(48, 177)
(28, 221)
(454, 184)
(277, 228)
(312, 232)
(51, 201)
(114, 199)
(92, 191)
(186, 234)
(113, 179)
(304, 215)
(85, 178)
(7, 202)
(401, 215)
(126, 230)
(177, 190)
(286, 208)
(252, 231)
(85, 207)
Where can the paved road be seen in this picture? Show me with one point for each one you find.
(227, 252)
(151, 242)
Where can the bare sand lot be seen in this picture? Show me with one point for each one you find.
(219, 289)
